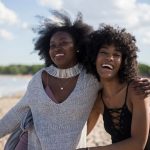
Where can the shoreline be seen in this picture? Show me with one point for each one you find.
(12, 85)
(17, 75)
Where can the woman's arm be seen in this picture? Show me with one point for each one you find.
(94, 115)
(139, 128)
(13, 117)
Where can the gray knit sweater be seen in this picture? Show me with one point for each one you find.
(56, 126)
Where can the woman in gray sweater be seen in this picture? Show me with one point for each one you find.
(59, 96)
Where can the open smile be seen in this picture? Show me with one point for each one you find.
(59, 55)
(107, 66)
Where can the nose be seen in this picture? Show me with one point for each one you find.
(56, 47)
(110, 57)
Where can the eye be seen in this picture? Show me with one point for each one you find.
(102, 52)
(52, 46)
(117, 55)
(64, 43)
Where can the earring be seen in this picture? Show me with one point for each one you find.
(77, 51)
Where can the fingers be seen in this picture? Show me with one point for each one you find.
(142, 89)
(141, 80)
(143, 83)
(146, 87)
(141, 86)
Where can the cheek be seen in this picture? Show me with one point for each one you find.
(71, 52)
(98, 63)
(119, 62)
(51, 54)
(98, 60)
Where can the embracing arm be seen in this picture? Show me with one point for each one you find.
(141, 86)
(139, 128)
(94, 115)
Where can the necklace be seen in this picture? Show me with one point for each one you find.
(61, 87)
(64, 73)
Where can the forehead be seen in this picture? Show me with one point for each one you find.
(111, 47)
(61, 35)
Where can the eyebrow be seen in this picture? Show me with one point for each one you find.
(105, 47)
(68, 40)
(116, 49)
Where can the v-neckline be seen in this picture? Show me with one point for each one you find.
(68, 97)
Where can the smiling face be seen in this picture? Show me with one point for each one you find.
(62, 50)
(108, 62)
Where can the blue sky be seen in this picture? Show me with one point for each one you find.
(17, 17)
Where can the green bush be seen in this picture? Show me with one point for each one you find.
(144, 70)
(20, 69)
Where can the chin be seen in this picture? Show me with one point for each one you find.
(106, 77)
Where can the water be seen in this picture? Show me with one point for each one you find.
(10, 85)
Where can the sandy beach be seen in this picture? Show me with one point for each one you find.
(97, 137)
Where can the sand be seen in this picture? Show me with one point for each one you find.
(98, 136)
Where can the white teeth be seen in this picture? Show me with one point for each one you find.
(59, 55)
(108, 66)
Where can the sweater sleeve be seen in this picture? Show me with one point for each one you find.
(13, 117)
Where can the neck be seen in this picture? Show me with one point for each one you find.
(112, 87)
(65, 73)
(66, 67)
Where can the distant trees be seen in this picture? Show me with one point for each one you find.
(20, 69)
(144, 70)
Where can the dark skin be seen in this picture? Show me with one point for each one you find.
(142, 88)
(63, 54)
(136, 103)
(50, 81)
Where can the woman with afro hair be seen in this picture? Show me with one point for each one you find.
(61, 95)
(112, 54)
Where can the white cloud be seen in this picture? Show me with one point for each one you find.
(4, 34)
(24, 25)
(144, 35)
(134, 15)
(125, 4)
(55, 4)
(7, 15)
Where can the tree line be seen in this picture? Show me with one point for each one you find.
(144, 70)
(20, 69)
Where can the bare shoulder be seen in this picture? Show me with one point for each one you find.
(136, 97)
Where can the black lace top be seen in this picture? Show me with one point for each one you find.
(117, 121)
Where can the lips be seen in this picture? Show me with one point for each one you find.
(59, 55)
(107, 66)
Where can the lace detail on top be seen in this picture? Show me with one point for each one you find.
(117, 121)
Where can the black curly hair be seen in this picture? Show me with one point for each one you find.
(123, 41)
(77, 29)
